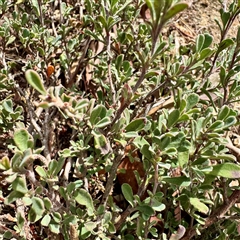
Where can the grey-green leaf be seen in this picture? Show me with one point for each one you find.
(98, 113)
(136, 125)
(38, 206)
(174, 10)
(127, 193)
(19, 185)
(173, 117)
(196, 203)
(20, 138)
(46, 220)
(35, 81)
(227, 170)
(191, 100)
(85, 199)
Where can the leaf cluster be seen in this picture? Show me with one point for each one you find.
(86, 87)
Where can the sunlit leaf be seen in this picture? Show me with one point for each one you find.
(127, 193)
(174, 10)
(85, 199)
(173, 117)
(196, 203)
(35, 81)
(21, 137)
(227, 170)
(19, 185)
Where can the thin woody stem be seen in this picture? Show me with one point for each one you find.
(217, 215)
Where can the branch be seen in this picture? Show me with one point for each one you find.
(216, 215)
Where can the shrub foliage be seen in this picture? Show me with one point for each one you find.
(109, 130)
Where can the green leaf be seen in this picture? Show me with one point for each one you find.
(174, 10)
(35, 81)
(101, 143)
(129, 237)
(38, 206)
(196, 203)
(208, 39)
(225, 17)
(145, 151)
(59, 165)
(199, 42)
(13, 196)
(56, 217)
(210, 98)
(16, 161)
(7, 235)
(47, 203)
(205, 53)
(160, 48)
(52, 167)
(155, 8)
(98, 113)
(5, 163)
(225, 44)
(179, 181)
(162, 142)
(227, 170)
(8, 105)
(41, 171)
(128, 193)
(157, 206)
(136, 125)
(173, 118)
(83, 103)
(121, 7)
(54, 228)
(230, 121)
(19, 185)
(224, 112)
(103, 21)
(103, 122)
(146, 210)
(85, 199)
(228, 157)
(36, 7)
(183, 158)
(20, 138)
(216, 125)
(191, 100)
(119, 61)
(46, 220)
(107, 218)
(222, 75)
(27, 201)
(130, 134)
(90, 226)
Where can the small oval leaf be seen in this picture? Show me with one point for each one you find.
(127, 193)
(35, 81)
(85, 199)
(136, 125)
(20, 138)
(201, 207)
(227, 170)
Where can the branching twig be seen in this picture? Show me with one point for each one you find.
(21, 211)
(112, 176)
(217, 215)
(46, 133)
(4, 229)
(234, 150)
